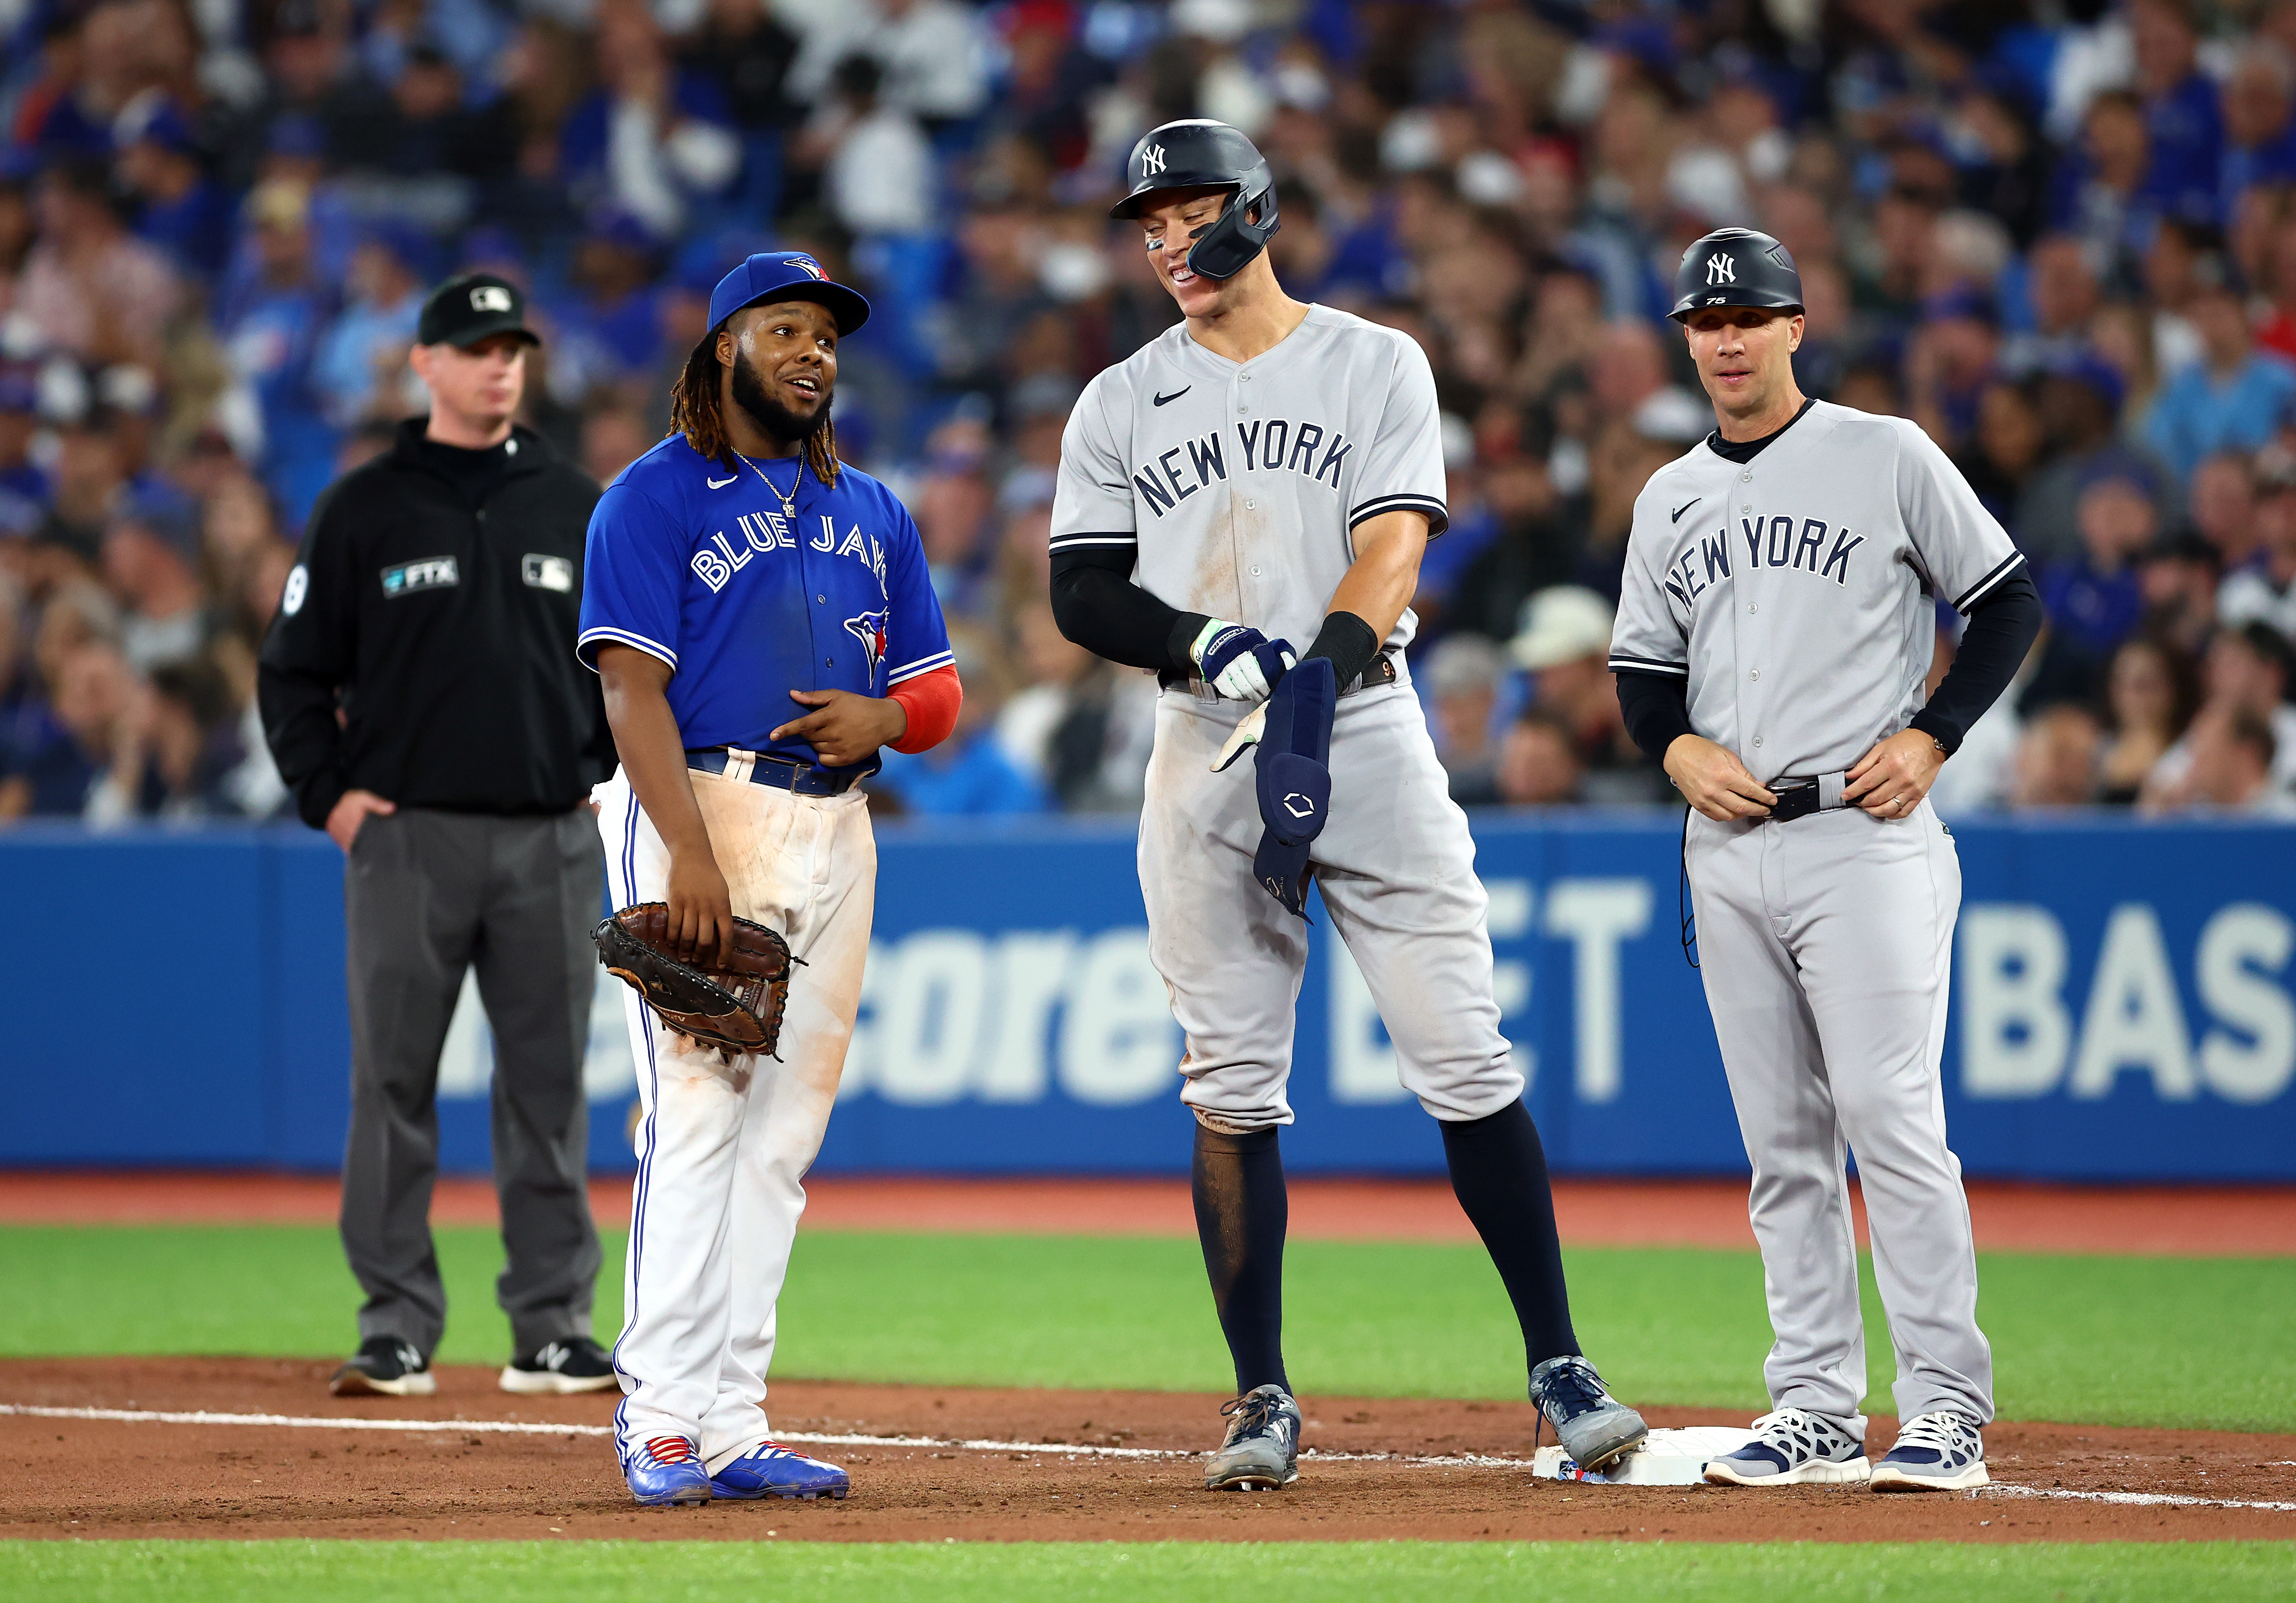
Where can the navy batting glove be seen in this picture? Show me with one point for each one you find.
(1240, 662)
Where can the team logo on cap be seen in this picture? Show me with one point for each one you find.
(1151, 159)
(810, 265)
(490, 298)
(1720, 269)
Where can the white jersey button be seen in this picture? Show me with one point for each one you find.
(1255, 573)
(1747, 477)
(1757, 674)
(1758, 740)
(1751, 607)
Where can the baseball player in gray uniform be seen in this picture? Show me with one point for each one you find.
(1773, 639)
(1270, 472)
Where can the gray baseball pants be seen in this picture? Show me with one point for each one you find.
(1825, 944)
(1397, 868)
(426, 895)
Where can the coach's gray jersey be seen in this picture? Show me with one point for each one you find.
(1794, 592)
(1237, 486)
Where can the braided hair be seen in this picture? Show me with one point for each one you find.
(696, 411)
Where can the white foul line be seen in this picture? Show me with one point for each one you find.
(127, 1416)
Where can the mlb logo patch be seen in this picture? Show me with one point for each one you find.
(548, 572)
(490, 298)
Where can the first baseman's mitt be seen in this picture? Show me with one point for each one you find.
(735, 1005)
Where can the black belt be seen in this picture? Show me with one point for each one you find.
(783, 773)
(1800, 794)
(1382, 671)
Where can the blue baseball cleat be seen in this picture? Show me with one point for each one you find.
(769, 1469)
(667, 1471)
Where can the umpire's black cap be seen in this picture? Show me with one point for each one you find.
(473, 307)
(1735, 267)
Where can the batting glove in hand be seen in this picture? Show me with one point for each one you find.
(1240, 662)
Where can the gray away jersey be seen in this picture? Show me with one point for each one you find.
(1794, 592)
(1237, 488)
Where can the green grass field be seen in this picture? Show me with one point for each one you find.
(373, 1571)
(2102, 1339)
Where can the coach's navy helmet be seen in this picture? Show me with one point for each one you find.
(785, 275)
(1736, 268)
(1199, 153)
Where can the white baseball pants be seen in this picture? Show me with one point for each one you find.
(723, 1145)
(1826, 944)
(1397, 867)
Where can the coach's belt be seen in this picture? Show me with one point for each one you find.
(1382, 671)
(783, 773)
(1800, 794)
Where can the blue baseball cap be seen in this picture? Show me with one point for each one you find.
(785, 275)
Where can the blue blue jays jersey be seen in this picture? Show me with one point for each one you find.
(699, 568)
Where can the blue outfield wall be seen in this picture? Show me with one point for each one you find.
(2122, 1008)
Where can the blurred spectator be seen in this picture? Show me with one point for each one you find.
(2261, 588)
(89, 286)
(2233, 761)
(2177, 581)
(1463, 676)
(2233, 398)
(184, 211)
(2222, 505)
(613, 437)
(363, 354)
(151, 563)
(934, 53)
(2057, 758)
(876, 166)
(1538, 761)
(655, 139)
(2094, 601)
(2150, 695)
(1566, 643)
(271, 327)
(2248, 673)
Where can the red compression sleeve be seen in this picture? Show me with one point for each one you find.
(932, 700)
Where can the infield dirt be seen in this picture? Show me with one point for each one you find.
(83, 1479)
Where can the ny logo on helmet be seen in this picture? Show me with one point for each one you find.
(1721, 270)
(1151, 159)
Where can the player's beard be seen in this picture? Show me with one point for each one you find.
(778, 421)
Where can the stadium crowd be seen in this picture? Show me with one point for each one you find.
(2060, 234)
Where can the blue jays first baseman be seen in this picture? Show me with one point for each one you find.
(763, 620)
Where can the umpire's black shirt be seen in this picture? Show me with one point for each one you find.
(436, 601)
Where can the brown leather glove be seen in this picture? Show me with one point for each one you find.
(736, 1007)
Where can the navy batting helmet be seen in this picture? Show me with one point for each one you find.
(1735, 267)
(1199, 153)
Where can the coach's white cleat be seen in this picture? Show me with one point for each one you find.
(1939, 1451)
(1792, 1447)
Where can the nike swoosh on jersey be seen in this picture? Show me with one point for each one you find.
(1176, 394)
(719, 484)
(1684, 507)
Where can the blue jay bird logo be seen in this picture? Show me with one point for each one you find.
(869, 629)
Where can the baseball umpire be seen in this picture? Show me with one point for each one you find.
(1773, 639)
(420, 695)
(763, 620)
(1268, 473)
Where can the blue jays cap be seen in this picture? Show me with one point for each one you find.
(785, 275)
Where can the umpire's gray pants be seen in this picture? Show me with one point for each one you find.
(1825, 944)
(427, 894)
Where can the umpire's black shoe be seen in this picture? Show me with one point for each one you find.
(558, 1368)
(385, 1366)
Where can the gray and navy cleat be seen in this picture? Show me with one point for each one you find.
(560, 1369)
(665, 1471)
(1595, 1427)
(1261, 1449)
(1792, 1447)
(1939, 1451)
(384, 1366)
(770, 1470)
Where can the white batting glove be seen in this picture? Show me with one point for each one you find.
(1239, 662)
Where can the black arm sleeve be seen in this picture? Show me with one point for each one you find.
(306, 655)
(1657, 709)
(2002, 629)
(1349, 644)
(1097, 605)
